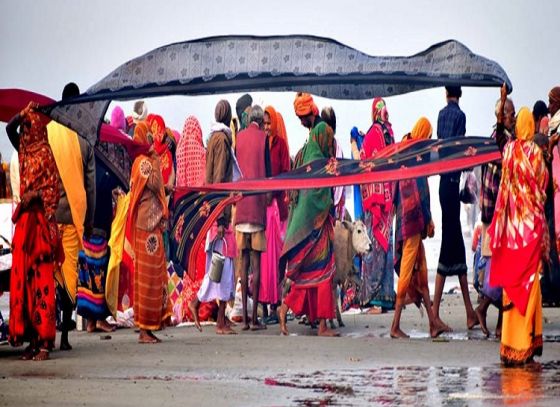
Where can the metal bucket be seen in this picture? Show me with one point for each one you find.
(217, 263)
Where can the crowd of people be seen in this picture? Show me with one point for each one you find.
(94, 222)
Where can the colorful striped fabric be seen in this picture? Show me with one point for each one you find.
(92, 262)
(197, 208)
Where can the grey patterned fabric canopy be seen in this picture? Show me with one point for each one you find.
(320, 66)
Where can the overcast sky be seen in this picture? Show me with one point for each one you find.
(45, 44)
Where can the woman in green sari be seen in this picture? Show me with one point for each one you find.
(308, 245)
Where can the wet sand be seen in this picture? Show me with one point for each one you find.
(363, 367)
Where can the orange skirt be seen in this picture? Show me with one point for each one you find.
(522, 334)
(413, 275)
(152, 305)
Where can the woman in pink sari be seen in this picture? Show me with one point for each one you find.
(276, 215)
(191, 172)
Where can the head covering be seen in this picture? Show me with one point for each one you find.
(281, 129)
(141, 133)
(554, 94)
(222, 113)
(273, 120)
(421, 130)
(37, 166)
(304, 105)
(243, 103)
(118, 120)
(191, 155)
(525, 125)
(156, 126)
(140, 110)
(379, 112)
(34, 130)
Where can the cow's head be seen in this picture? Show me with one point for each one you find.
(360, 239)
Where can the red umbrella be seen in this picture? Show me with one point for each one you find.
(13, 101)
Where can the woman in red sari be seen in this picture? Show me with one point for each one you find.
(35, 246)
(377, 265)
(519, 240)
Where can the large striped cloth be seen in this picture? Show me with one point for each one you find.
(92, 262)
(151, 301)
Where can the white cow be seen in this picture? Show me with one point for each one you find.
(350, 238)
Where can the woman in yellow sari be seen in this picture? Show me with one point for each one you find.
(519, 240)
(147, 216)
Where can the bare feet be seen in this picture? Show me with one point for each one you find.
(437, 329)
(42, 355)
(91, 326)
(230, 323)
(398, 333)
(28, 353)
(442, 325)
(472, 320)
(499, 333)
(226, 330)
(194, 312)
(481, 315)
(104, 326)
(151, 334)
(147, 337)
(65, 345)
(327, 332)
(282, 312)
(375, 310)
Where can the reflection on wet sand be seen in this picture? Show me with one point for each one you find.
(537, 384)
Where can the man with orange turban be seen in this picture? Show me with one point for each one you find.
(306, 109)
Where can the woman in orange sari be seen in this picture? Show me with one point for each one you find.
(519, 240)
(35, 246)
(413, 224)
(147, 217)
